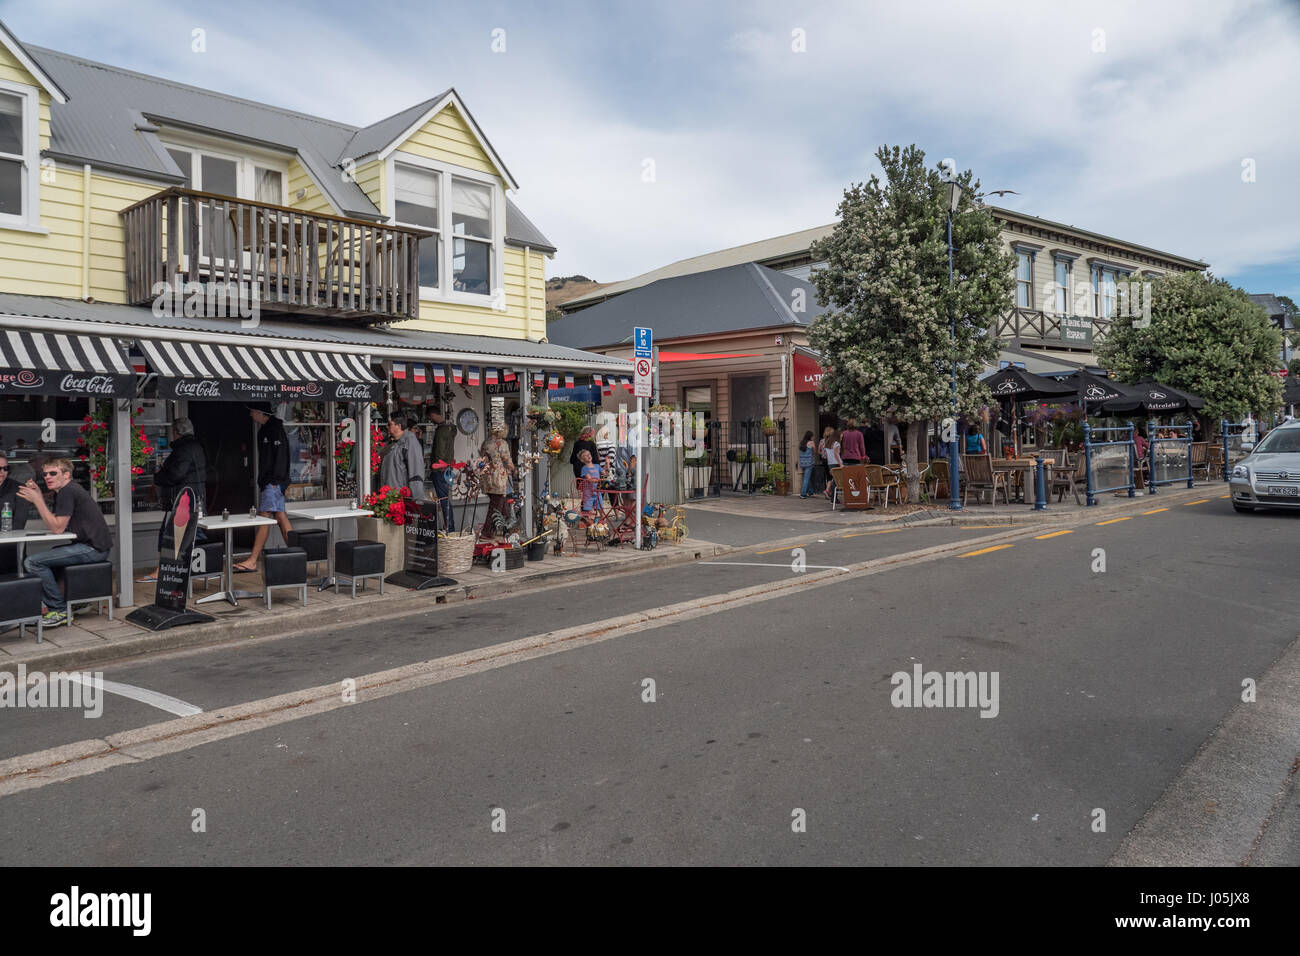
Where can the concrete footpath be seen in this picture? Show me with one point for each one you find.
(718, 527)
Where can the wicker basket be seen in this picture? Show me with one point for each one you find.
(455, 552)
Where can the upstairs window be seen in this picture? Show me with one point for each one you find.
(471, 227)
(19, 156)
(1024, 279)
(1062, 286)
(416, 203)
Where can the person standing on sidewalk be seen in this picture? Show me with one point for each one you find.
(830, 449)
(403, 464)
(852, 445)
(76, 513)
(444, 450)
(272, 479)
(807, 460)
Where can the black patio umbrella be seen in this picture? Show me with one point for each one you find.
(1022, 386)
(1154, 399)
(1093, 389)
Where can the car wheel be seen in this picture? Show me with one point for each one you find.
(1242, 508)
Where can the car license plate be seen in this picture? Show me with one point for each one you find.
(1284, 490)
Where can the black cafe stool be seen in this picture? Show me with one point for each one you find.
(357, 561)
(87, 582)
(20, 603)
(284, 568)
(315, 542)
(213, 565)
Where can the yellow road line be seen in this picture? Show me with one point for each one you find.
(859, 534)
(1225, 496)
(775, 550)
(1054, 534)
(979, 527)
(1200, 502)
(1112, 521)
(996, 547)
(1155, 511)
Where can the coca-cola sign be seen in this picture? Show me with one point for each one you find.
(203, 388)
(352, 391)
(90, 385)
(33, 382)
(242, 390)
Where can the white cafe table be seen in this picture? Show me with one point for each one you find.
(217, 523)
(329, 514)
(24, 538)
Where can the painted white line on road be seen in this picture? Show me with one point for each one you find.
(151, 697)
(759, 564)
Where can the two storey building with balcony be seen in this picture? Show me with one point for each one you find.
(173, 251)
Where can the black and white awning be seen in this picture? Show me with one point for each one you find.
(254, 372)
(49, 363)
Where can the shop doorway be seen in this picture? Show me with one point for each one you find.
(227, 435)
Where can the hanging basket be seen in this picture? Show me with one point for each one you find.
(456, 552)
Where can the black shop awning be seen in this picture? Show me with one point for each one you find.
(49, 363)
(249, 371)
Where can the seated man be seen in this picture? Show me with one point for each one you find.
(17, 514)
(74, 512)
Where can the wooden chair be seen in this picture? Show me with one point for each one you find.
(880, 481)
(838, 478)
(1069, 479)
(934, 477)
(981, 477)
(1200, 459)
(1215, 462)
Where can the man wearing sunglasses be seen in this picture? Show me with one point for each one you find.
(75, 512)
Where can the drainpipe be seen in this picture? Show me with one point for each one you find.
(85, 232)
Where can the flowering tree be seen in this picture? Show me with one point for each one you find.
(886, 343)
(1206, 337)
(94, 441)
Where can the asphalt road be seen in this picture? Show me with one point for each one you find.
(772, 710)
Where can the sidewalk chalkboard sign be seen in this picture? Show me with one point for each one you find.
(180, 526)
(420, 546)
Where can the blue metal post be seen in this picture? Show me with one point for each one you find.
(1040, 496)
(1087, 456)
(1132, 485)
(1151, 455)
(1190, 435)
(1223, 427)
(954, 497)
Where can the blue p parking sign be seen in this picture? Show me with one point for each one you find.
(643, 341)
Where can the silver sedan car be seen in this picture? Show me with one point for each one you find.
(1269, 477)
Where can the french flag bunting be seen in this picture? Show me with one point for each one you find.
(440, 373)
(627, 382)
(537, 380)
(399, 370)
(138, 364)
(608, 389)
(457, 373)
(490, 376)
(597, 379)
(507, 374)
(553, 381)
(568, 380)
(419, 373)
(473, 375)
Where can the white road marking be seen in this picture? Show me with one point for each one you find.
(759, 564)
(151, 697)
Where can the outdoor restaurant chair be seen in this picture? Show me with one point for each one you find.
(935, 477)
(880, 481)
(838, 478)
(1200, 460)
(980, 477)
(1215, 462)
(1070, 479)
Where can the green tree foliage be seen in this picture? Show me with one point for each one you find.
(1205, 336)
(886, 344)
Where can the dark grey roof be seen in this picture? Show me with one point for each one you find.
(106, 105)
(731, 299)
(384, 340)
(1271, 305)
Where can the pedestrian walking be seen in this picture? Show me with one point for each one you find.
(272, 479)
(830, 450)
(807, 461)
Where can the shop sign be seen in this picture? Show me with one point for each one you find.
(503, 388)
(28, 382)
(1076, 329)
(245, 390)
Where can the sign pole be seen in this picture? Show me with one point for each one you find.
(636, 444)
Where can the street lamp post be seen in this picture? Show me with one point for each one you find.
(954, 502)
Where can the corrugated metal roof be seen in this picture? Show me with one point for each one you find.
(731, 299)
(382, 340)
(105, 104)
(373, 138)
(1272, 306)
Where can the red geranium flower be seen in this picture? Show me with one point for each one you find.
(405, 492)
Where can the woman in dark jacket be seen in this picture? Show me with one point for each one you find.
(584, 442)
(186, 466)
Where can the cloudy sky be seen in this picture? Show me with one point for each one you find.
(1138, 120)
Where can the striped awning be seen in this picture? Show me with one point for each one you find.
(254, 372)
(49, 363)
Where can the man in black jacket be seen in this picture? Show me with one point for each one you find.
(185, 467)
(272, 478)
(18, 509)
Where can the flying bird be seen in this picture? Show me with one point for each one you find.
(1004, 192)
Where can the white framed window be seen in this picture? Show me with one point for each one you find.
(463, 261)
(211, 170)
(20, 147)
(1062, 277)
(1024, 279)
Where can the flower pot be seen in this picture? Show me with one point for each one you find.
(770, 432)
(782, 487)
(393, 537)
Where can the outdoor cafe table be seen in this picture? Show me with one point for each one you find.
(214, 523)
(1019, 467)
(24, 538)
(329, 515)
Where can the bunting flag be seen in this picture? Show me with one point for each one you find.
(473, 375)
(568, 380)
(553, 381)
(490, 376)
(138, 364)
(597, 379)
(440, 373)
(627, 382)
(419, 373)
(508, 374)
(457, 372)
(399, 370)
(608, 389)
(537, 380)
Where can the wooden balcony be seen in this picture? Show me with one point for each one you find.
(1037, 325)
(284, 259)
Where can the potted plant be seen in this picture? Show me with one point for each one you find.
(779, 480)
(388, 524)
(697, 474)
(769, 427)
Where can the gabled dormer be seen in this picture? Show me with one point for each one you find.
(25, 95)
